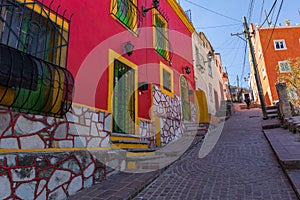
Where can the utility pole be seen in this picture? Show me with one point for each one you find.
(256, 73)
(238, 89)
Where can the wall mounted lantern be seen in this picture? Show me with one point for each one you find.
(186, 70)
(209, 57)
(128, 48)
(155, 4)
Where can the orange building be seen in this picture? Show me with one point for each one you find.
(274, 47)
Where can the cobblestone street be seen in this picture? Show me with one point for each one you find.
(242, 165)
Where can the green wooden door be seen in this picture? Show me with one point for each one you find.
(124, 99)
(185, 98)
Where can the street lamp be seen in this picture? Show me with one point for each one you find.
(155, 4)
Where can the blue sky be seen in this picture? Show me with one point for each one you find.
(218, 19)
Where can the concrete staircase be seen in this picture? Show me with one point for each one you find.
(196, 128)
(136, 149)
(140, 158)
(293, 124)
(272, 112)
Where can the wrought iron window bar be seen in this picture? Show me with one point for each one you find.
(127, 13)
(163, 45)
(32, 50)
(52, 46)
(31, 85)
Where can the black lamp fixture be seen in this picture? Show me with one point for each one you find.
(209, 57)
(155, 4)
(186, 70)
(128, 48)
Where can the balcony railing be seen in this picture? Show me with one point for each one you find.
(33, 52)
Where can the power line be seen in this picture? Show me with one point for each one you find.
(273, 13)
(230, 48)
(236, 52)
(220, 26)
(212, 11)
(262, 10)
(250, 9)
(274, 26)
(267, 17)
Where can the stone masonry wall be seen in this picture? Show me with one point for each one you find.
(80, 128)
(169, 110)
(53, 175)
(57, 174)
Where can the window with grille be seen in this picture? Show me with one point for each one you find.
(127, 13)
(209, 69)
(166, 80)
(33, 52)
(284, 66)
(161, 35)
(279, 44)
(34, 32)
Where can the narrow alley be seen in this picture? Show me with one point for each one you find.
(242, 165)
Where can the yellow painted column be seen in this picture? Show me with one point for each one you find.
(202, 107)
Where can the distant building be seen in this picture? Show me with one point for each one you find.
(274, 47)
(239, 94)
(208, 72)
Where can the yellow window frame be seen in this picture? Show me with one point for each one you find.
(170, 71)
(55, 19)
(157, 16)
(38, 9)
(114, 10)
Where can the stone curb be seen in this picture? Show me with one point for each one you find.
(284, 169)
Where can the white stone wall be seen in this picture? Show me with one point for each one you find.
(79, 128)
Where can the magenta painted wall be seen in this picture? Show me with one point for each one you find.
(93, 31)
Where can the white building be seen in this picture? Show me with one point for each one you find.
(208, 72)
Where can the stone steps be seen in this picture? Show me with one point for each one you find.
(197, 128)
(140, 158)
(118, 136)
(272, 112)
(128, 141)
(293, 124)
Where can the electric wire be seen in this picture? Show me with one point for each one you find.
(270, 38)
(212, 11)
(236, 52)
(273, 14)
(250, 9)
(267, 17)
(220, 26)
(261, 11)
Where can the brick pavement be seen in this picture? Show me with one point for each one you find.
(127, 185)
(240, 166)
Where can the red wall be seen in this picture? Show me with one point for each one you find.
(93, 31)
(291, 35)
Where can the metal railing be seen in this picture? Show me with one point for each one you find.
(33, 47)
(31, 85)
(127, 13)
(35, 29)
(163, 45)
